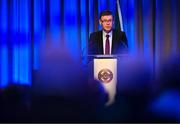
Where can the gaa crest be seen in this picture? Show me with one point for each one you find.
(105, 75)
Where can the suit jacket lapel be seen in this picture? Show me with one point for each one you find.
(100, 43)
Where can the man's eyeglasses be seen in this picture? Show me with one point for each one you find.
(107, 21)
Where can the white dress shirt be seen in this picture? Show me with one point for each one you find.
(104, 41)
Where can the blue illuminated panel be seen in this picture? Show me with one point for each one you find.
(3, 44)
(112, 5)
(55, 20)
(3, 16)
(25, 44)
(84, 38)
(124, 9)
(71, 27)
(147, 27)
(37, 33)
(15, 41)
(4, 66)
(91, 16)
(21, 42)
(131, 26)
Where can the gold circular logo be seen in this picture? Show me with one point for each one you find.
(105, 75)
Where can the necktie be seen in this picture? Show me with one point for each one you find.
(107, 49)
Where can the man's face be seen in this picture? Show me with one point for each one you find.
(106, 22)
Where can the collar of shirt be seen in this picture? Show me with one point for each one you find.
(104, 40)
(110, 34)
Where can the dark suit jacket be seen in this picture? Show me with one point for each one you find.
(119, 42)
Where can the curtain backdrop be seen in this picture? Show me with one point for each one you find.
(151, 27)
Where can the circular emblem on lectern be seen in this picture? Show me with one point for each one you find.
(105, 75)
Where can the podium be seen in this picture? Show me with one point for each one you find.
(105, 71)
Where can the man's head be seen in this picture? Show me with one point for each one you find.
(106, 20)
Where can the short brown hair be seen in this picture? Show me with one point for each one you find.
(105, 12)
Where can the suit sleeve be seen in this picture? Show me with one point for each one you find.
(90, 42)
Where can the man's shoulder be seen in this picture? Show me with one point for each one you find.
(96, 33)
(117, 31)
(119, 34)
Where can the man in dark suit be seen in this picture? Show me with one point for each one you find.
(107, 41)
